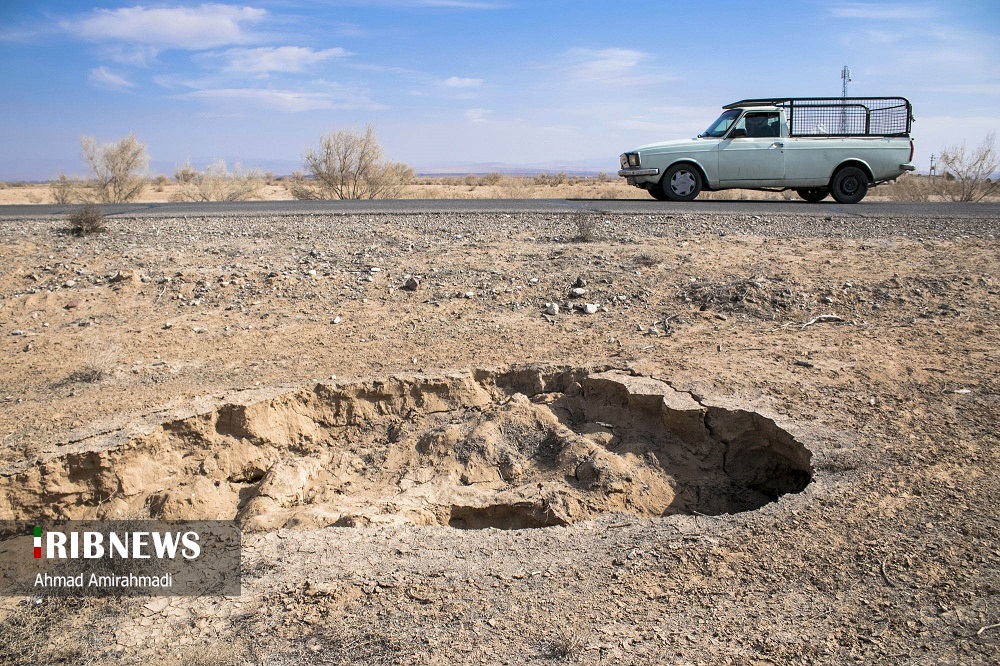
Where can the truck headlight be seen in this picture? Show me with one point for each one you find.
(633, 159)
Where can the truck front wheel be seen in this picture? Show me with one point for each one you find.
(849, 185)
(681, 182)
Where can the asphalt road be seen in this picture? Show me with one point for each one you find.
(627, 206)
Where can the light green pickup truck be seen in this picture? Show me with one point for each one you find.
(816, 146)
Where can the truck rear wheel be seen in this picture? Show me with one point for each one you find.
(681, 182)
(813, 194)
(849, 185)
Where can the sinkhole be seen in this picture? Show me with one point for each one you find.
(512, 449)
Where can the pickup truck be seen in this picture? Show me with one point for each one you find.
(837, 146)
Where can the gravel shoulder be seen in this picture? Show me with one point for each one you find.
(872, 339)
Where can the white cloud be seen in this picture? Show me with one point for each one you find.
(278, 58)
(287, 101)
(458, 82)
(190, 28)
(477, 116)
(867, 11)
(612, 67)
(105, 78)
(453, 4)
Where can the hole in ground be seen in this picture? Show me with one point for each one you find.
(514, 449)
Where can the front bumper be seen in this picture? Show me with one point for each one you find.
(908, 167)
(632, 173)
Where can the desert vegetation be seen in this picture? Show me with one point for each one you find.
(350, 165)
(971, 171)
(217, 183)
(118, 169)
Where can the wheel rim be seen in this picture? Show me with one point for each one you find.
(850, 186)
(682, 183)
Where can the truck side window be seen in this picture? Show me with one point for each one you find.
(762, 125)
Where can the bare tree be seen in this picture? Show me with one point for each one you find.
(349, 165)
(118, 168)
(972, 171)
(217, 183)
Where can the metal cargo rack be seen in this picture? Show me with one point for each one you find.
(840, 116)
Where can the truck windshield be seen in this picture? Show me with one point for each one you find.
(721, 125)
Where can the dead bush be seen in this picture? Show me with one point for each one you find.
(87, 220)
(118, 168)
(217, 183)
(971, 171)
(67, 190)
(349, 165)
(185, 173)
(587, 223)
(513, 187)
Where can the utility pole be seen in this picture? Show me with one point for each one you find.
(933, 167)
(845, 74)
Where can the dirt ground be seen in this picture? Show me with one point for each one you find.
(755, 439)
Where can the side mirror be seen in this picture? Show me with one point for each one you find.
(738, 134)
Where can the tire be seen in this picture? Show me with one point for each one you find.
(813, 194)
(657, 192)
(849, 185)
(681, 182)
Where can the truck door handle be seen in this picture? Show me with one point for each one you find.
(779, 144)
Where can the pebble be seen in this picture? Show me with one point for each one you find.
(552, 308)
(577, 292)
(17, 331)
(590, 308)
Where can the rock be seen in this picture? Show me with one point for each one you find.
(411, 284)
(551, 308)
(469, 294)
(70, 283)
(577, 292)
(75, 303)
(17, 331)
(590, 308)
(580, 283)
(123, 276)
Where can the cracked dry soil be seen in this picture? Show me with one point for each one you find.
(704, 470)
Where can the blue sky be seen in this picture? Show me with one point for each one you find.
(453, 83)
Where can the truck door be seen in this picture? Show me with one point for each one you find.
(753, 151)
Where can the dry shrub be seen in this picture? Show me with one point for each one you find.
(971, 171)
(217, 183)
(97, 365)
(118, 168)
(87, 220)
(587, 223)
(908, 187)
(513, 187)
(349, 165)
(68, 190)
